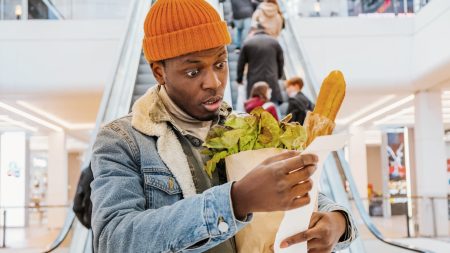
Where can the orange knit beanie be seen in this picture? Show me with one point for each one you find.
(178, 27)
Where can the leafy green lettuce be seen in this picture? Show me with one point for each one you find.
(253, 131)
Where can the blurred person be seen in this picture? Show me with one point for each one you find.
(264, 58)
(298, 103)
(269, 15)
(150, 192)
(256, 3)
(242, 19)
(260, 96)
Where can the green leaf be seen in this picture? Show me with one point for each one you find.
(269, 134)
(211, 164)
(294, 135)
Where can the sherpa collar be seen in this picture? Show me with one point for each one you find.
(150, 117)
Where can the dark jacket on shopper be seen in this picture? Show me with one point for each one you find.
(299, 105)
(265, 60)
(242, 9)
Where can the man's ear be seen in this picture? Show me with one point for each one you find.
(158, 72)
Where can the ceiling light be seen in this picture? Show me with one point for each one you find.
(17, 123)
(395, 115)
(52, 117)
(364, 110)
(31, 117)
(384, 110)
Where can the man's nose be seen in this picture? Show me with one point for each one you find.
(212, 80)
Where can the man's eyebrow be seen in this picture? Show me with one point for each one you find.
(192, 61)
(223, 52)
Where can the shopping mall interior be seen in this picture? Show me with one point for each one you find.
(68, 67)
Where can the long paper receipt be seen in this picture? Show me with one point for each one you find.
(297, 220)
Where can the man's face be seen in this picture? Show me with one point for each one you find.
(196, 82)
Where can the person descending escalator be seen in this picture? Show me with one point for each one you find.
(299, 104)
(269, 15)
(260, 97)
(263, 56)
(242, 19)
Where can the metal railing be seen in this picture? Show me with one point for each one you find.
(407, 201)
(331, 8)
(117, 95)
(4, 210)
(342, 164)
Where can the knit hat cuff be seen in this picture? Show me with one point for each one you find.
(182, 42)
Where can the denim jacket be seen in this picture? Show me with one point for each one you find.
(143, 195)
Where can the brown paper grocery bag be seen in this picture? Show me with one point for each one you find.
(259, 235)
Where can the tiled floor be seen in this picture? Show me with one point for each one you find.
(35, 239)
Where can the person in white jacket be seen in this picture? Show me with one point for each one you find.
(268, 14)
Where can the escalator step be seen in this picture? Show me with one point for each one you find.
(144, 69)
(145, 78)
(233, 57)
(231, 48)
(140, 90)
(143, 60)
(232, 66)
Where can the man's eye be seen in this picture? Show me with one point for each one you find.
(221, 65)
(192, 73)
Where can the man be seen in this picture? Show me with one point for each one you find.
(150, 192)
(299, 104)
(264, 57)
(242, 17)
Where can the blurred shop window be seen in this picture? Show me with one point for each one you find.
(38, 187)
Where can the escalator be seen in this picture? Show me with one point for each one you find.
(132, 77)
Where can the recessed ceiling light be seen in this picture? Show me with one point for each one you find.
(54, 118)
(31, 117)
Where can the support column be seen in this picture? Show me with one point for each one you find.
(431, 166)
(358, 161)
(57, 189)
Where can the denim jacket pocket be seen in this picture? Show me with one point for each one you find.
(161, 190)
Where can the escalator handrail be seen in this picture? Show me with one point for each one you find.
(105, 104)
(68, 223)
(53, 9)
(340, 162)
(104, 109)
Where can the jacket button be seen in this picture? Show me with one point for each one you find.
(196, 142)
(223, 226)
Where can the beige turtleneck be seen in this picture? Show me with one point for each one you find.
(182, 120)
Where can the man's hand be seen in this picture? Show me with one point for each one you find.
(280, 183)
(323, 233)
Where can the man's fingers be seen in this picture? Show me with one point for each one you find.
(300, 201)
(300, 189)
(304, 236)
(314, 244)
(301, 175)
(298, 162)
(314, 219)
(281, 156)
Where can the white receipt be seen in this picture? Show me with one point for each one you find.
(297, 220)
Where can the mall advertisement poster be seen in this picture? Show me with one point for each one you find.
(396, 159)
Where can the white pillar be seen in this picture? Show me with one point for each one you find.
(358, 161)
(431, 166)
(57, 181)
(13, 175)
